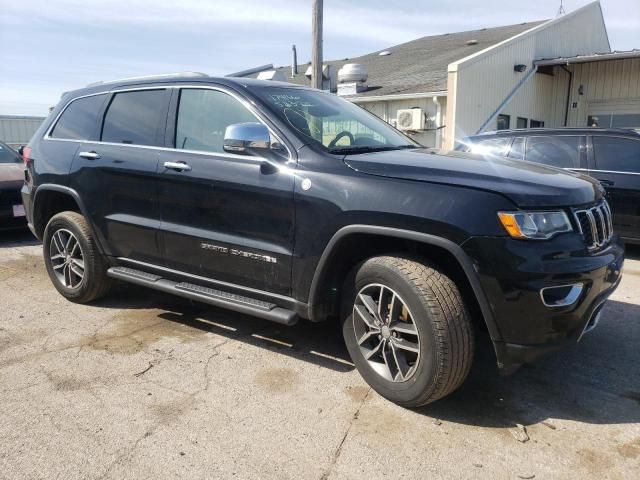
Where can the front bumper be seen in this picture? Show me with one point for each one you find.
(514, 272)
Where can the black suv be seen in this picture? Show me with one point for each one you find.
(610, 155)
(285, 202)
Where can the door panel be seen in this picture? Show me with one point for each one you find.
(227, 220)
(117, 176)
(120, 191)
(226, 217)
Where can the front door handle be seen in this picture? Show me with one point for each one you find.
(89, 155)
(179, 166)
(607, 183)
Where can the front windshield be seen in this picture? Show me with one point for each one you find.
(333, 123)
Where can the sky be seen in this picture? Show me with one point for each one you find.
(51, 46)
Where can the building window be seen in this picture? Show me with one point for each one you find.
(616, 120)
(536, 124)
(504, 122)
(521, 122)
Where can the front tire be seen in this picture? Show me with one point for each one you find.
(407, 330)
(75, 265)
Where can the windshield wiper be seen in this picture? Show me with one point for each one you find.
(369, 148)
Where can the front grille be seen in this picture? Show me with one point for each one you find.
(595, 225)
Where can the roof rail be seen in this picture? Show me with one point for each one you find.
(150, 77)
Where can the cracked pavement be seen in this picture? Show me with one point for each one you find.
(143, 385)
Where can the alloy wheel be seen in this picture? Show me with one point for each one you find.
(67, 259)
(386, 332)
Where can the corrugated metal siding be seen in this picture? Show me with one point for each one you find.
(485, 80)
(387, 110)
(603, 82)
(17, 130)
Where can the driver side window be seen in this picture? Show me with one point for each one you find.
(204, 115)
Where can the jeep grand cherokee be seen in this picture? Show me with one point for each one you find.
(289, 203)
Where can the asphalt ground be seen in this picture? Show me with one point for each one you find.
(144, 385)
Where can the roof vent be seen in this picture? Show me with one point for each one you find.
(273, 75)
(384, 53)
(471, 42)
(352, 72)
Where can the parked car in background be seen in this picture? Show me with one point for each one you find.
(285, 202)
(12, 213)
(610, 155)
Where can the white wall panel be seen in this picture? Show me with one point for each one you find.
(480, 83)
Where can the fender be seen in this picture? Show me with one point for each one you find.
(73, 194)
(463, 259)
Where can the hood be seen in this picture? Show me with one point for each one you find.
(526, 184)
(11, 174)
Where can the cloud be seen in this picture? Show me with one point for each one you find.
(58, 45)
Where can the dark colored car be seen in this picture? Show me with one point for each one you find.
(610, 155)
(285, 202)
(12, 214)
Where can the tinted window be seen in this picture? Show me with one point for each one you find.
(536, 124)
(617, 154)
(133, 117)
(204, 115)
(79, 120)
(562, 152)
(7, 155)
(492, 146)
(517, 149)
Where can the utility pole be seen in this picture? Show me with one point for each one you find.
(316, 45)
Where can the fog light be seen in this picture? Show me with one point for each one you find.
(561, 295)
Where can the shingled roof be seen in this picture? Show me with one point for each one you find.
(418, 66)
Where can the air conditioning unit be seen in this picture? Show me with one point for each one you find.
(410, 119)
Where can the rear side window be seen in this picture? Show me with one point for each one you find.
(79, 120)
(133, 117)
(203, 117)
(616, 154)
(561, 151)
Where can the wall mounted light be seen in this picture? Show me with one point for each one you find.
(581, 90)
(519, 68)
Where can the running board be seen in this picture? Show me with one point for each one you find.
(218, 298)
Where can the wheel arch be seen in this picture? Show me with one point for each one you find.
(383, 241)
(51, 199)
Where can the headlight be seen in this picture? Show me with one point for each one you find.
(537, 225)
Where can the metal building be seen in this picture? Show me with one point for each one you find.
(17, 130)
(553, 73)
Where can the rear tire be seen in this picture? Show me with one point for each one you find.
(424, 346)
(75, 265)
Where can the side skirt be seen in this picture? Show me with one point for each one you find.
(212, 296)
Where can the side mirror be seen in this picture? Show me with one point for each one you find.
(252, 138)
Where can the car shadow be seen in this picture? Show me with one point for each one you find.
(317, 343)
(632, 252)
(17, 238)
(595, 381)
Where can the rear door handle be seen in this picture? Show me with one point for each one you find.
(179, 166)
(89, 155)
(607, 183)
